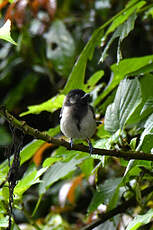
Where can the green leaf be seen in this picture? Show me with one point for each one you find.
(57, 172)
(60, 48)
(140, 220)
(93, 80)
(128, 97)
(87, 166)
(5, 32)
(123, 17)
(50, 160)
(4, 221)
(109, 224)
(122, 69)
(122, 31)
(126, 28)
(77, 76)
(30, 178)
(146, 138)
(29, 150)
(51, 105)
(104, 193)
(5, 136)
(145, 108)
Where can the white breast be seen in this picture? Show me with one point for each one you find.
(70, 129)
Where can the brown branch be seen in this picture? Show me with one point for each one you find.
(119, 209)
(79, 147)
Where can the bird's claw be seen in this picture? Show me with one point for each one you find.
(90, 146)
(71, 143)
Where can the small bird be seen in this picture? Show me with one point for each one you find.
(77, 119)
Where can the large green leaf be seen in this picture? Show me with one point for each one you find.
(60, 48)
(5, 32)
(140, 220)
(104, 193)
(51, 105)
(77, 76)
(58, 171)
(128, 97)
(122, 32)
(31, 177)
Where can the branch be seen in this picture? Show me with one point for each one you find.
(79, 147)
(119, 209)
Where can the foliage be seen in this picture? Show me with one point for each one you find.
(61, 46)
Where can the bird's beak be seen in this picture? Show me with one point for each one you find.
(85, 98)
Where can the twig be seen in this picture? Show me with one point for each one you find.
(119, 209)
(79, 147)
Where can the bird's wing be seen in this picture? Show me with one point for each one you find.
(60, 116)
(97, 122)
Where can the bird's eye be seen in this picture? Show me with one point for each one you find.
(74, 99)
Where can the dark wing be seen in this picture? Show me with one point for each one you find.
(60, 116)
(97, 122)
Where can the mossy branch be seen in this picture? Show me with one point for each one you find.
(79, 147)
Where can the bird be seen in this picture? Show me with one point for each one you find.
(77, 118)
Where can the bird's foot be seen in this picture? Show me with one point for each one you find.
(71, 143)
(90, 146)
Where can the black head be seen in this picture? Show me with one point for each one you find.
(76, 96)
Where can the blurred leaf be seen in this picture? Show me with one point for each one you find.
(128, 97)
(122, 32)
(8, 65)
(104, 193)
(146, 138)
(5, 32)
(25, 86)
(74, 185)
(30, 149)
(3, 221)
(5, 136)
(140, 220)
(15, 227)
(109, 224)
(51, 105)
(58, 171)
(31, 177)
(60, 48)
(37, 158)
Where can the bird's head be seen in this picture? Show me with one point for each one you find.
(77, 96)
